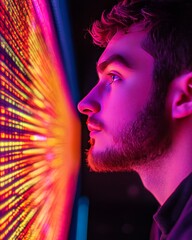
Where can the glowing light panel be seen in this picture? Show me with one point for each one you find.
(39, 131)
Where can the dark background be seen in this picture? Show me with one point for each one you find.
(120, 207)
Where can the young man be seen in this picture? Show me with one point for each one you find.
(140, 111)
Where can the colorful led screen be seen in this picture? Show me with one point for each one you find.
(39, 129)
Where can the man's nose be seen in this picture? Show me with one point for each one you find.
(89, 104)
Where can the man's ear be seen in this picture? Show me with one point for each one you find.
(181, 91)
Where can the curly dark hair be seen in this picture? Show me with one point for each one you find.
(169, 34)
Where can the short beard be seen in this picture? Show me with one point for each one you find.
(138, 143)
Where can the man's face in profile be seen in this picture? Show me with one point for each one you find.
(123, 119)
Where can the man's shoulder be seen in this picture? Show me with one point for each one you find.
(174, 218)
(183, 227)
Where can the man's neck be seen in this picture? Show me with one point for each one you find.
(161, 177)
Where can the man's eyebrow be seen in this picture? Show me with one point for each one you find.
(114, 58)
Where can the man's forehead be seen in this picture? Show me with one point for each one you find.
(121, 46)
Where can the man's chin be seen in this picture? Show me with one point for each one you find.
(103, 162)
(92, 162)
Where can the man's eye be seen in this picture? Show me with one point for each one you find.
(113, 78)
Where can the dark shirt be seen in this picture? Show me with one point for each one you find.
(173, 220)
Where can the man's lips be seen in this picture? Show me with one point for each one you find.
(93, 126)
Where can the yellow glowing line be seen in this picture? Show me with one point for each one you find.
(8, 177)
(18, 80)
(15, 88)
(39, 103)
(29, 118)
(37, 172)
(31, 212)
(38, 94)
(11, 143)
(20, 104)
(34, 151)
(30, 215)
(10, 52)
(27, 185)
(8, 214)
(11, 204)
(12, 201)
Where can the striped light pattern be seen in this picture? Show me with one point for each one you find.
(39, 130)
